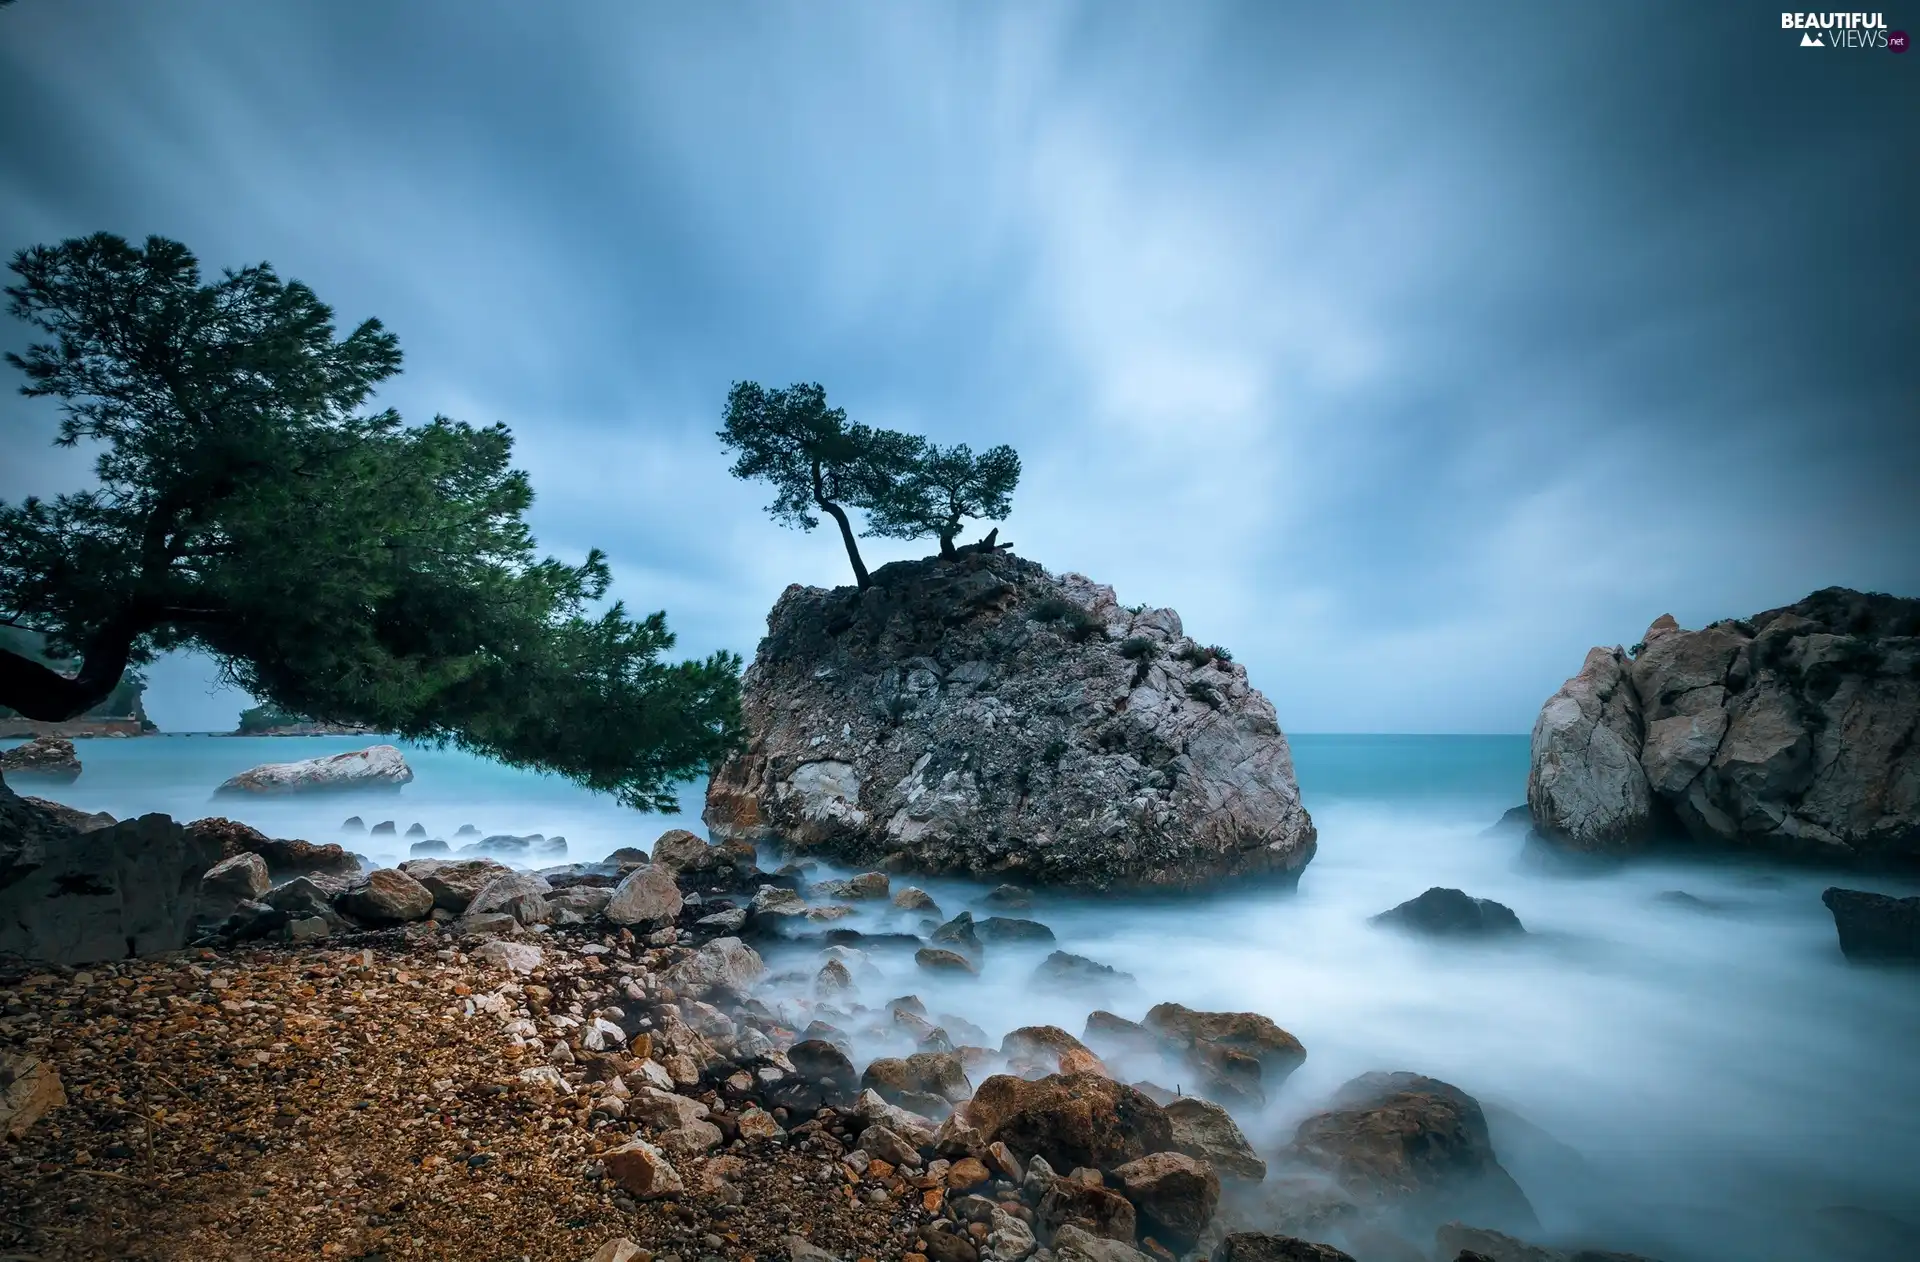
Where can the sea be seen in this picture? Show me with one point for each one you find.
(1681, 1061)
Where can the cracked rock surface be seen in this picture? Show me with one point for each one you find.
(981, 716)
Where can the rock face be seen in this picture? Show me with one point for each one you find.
(1875, 926)
(42, 758)
(1790, 732)
(75, 898)
(376, 767)
(982, 717)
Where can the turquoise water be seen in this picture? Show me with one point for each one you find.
(1711, 1084)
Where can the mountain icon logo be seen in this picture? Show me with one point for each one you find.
(1810, 40)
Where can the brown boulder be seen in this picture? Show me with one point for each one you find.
(283, 858)
(1258, 1246)
(1175, 1194)
(1278, 1052)
(389, 897)
(1070, 1119)
(1093, 1209)
(42, 758)
(642, 1170)
(1404, 1140)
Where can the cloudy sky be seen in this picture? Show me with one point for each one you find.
(1409, 350)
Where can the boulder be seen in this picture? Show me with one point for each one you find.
(925, 1082)
(1062, 971)
(1875, 926)
(677, 850)
(305, 897)
(388, 897)
(878, 736)
(1414, 1145)
(1278, 1052)
(1787, 733)
(1072, 1244)
(913, 898)
(376, 767)
(283, 857)
(577, 904)
(940, 961)
(44, 758)
(958, 935)
(1012, 929)
(645, 896)
(724, 964)
(1070, 1119)
(522, 895)
(1585, 787)
(454, 882)
(1176, 1195)
(518, 957)
(1039, 1047)
(75, 898)
(1203, 1129)
(1259, 1246)
(642, 1170)
(1450, 913)
(230, 882)
(72, 816)
(431, 848)
(1089, 1207)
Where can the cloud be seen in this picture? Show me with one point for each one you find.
(1407, 351)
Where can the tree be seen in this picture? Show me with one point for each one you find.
(334, 562)
(814, 457)
(945, 485)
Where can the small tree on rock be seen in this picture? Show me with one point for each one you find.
(814, 456)
(945, 486)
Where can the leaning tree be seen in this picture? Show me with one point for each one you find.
(333, 561)
(814, 456)
(943, 487)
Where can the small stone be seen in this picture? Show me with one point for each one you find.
(620, 1249)
(520, 957)
(30, 1088)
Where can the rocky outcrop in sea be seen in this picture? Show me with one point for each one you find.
(375, 767)
(1795, 732)
(42, 758)
(981, 716)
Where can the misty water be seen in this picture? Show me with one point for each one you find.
(1691, 1080)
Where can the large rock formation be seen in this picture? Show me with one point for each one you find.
(1795, 731)
(75, 897)
(42, 758)
(980, 716)
(376, 767)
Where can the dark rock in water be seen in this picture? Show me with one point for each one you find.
(416, 830)
(1693, 902)
(44, 758)
(1414, 1145)
(1062, 971)
(570, 875)
(78, 897)
(1176, 1195)
(1449, 913)
(1009, 897)
(1112, 1035)
(1875, 926)
(1260, 1246)
(1003, 929)
(906, 680)
(1787, 733)
(626, 858)
(385, 828)
(1517, 821)
(1279, 1052)
(429, 848)
(958, 934)
(1477, 1244)
(353, 824)
(466, 830)
(935, 960)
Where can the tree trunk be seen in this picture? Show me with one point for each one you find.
(46, 696)
(946, 547)
(853, 549)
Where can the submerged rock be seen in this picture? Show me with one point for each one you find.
(1786, 733)
(1260, 1246)
(46, 758)
(882, 735)
(376, 767)
(1450, 913)
(1875, 926)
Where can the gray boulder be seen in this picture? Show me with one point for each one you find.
(75, 898)
(230, 882)
(388, 897)
(1788, 733)
(1450, 913)
(1875, 926)
(884, 734)
(454, 882)
(522, 895)
(44, 758)
(645, 896)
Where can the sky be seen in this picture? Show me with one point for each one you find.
(1408, 350)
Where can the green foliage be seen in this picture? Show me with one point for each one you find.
(334, 562)
(1201, 690)
(262, 718)
(1638, 648)
(814, 457)
(941, 487)
(1141, 650)
(1056, 750)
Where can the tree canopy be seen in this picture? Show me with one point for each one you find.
(334, 561)
(818, 460)
(941, 488)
